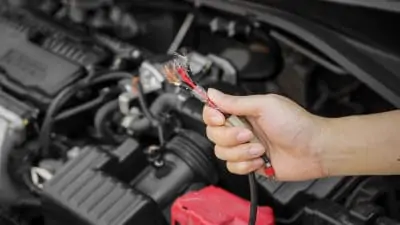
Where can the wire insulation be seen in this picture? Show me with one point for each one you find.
(80, 108)
(146, 111)
(253, 198)
(63, 97)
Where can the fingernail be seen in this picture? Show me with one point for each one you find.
(216, 119)
(244, 135)
(256, 150)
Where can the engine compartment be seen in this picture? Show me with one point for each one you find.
(77, 145)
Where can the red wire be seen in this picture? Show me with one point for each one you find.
(187, 80)
(185, 77)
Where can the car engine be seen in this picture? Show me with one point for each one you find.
(91, 132)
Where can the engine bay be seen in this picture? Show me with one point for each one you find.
(91, 132)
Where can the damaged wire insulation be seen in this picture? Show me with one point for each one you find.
(178, 73)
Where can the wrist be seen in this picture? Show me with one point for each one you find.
(356, 145)
(341, 148)
(322, 144)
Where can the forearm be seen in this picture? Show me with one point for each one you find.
(361, 145)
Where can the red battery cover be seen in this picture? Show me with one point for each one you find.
(215, 206)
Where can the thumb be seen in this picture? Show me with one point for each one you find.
(236, 105)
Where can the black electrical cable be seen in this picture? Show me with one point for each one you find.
(63, 97)
(253, 198)
(146, 111)
(55, 105)
(144, 106)
(110, 76)
(80, 108)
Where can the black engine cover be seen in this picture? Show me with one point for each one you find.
(38, 58)
(85, 190)
(31, 71)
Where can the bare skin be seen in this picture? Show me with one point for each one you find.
(302, 146)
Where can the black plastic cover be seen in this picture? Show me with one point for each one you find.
(84, 192)
(166, 183)
(330, 213)
(288, 197)
(30, 70)
(62, 39)
(187, 160)
(38, 59)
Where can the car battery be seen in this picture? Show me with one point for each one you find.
(215, 206)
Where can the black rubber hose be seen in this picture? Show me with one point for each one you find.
(101, 117)
(63, 97)
(163, 103)
(140, 125)
(197, 152)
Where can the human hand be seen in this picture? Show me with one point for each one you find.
(287, 132)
